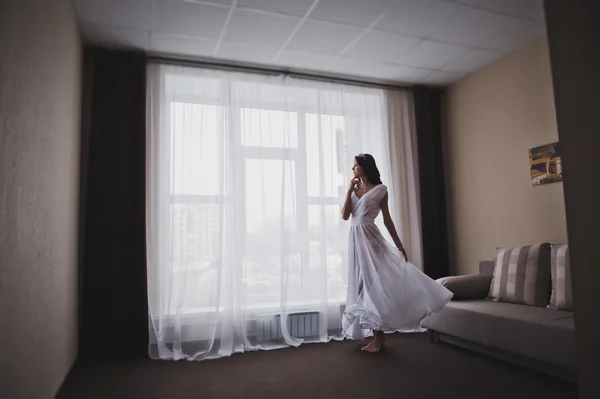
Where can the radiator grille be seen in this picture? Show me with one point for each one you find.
(300, 325)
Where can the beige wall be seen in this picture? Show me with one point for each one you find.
(493, 117)
(40, 66)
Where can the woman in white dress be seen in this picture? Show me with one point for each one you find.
(386, 293)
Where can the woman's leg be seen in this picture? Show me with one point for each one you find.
(378, 341)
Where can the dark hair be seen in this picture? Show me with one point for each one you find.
(367, 163)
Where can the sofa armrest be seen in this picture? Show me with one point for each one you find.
(472, 286)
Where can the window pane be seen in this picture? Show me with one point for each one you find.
(267, 128)
(270, 197)
(327, 248)
(272, 247)
(265, 274)
(195, 166)
(196, 233)
(327, 264)
(323, 219)
(324, 152)
(195, 253)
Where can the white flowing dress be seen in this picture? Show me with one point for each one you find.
(385, 291)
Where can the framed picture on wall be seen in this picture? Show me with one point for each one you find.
(545, 164)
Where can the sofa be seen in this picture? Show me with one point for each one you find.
(536, 337)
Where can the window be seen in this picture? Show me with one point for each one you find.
(312, 186)
(247, 178)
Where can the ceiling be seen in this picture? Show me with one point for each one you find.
(388, 41)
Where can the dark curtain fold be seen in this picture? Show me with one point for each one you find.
(114, 310)
(428, 119)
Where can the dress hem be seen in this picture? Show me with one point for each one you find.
(368, 320)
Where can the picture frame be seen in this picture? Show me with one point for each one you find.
(545, 164)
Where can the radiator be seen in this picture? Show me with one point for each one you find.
(300, 325)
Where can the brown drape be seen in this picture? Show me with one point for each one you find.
(113, 296)
(428, 120)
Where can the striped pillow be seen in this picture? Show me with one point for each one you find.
(562, 295)
(522, 275)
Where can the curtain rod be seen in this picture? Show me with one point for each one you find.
(274, 72)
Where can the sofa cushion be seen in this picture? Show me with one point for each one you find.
(522, 275)
(486, 268)
(467, 287)
(542, 334)
(562, 295)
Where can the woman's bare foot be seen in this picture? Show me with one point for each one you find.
(377, 344)
(367, 348)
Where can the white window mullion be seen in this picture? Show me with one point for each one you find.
(291, 154)
(239, 184)
(222, 157)
(323, 249)
(302, 194)
(324, 201)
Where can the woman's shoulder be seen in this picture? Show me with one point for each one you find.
(381, 190)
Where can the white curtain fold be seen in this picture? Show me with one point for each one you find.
(404, 165)
(246, 176)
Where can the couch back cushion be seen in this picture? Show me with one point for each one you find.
(522, 275)
(562, 295)
(486, 267)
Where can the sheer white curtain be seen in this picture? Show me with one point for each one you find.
(246, 175)
(404, 165)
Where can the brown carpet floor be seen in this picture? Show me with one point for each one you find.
(409, 367)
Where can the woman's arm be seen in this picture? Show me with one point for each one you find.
(389, 225)
(347, 208)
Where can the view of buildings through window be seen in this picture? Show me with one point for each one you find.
(283, 168)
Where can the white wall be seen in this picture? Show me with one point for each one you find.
(40, 68)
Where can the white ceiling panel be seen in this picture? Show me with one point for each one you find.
(419, 18)
(539, 15)
(520, 33)
(183, 18)
(433, 55)
(410, 74)
(304, 60)
(352, 12)
(379, 70)
(528, 9)
(247, 52)
(177, 44)
(441, 78)
(363, 68)
(407, 41)
(473, 28)
(286, 7)
(323, 38)
(471, 61)
(223, 3)
(121, 38)
(382, 46)
(259, 28)
(131, 14)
